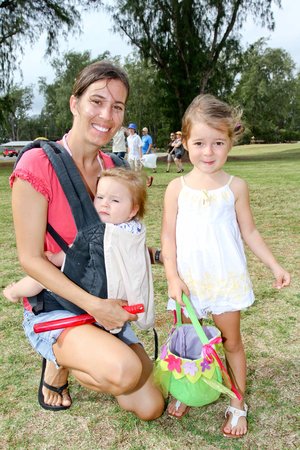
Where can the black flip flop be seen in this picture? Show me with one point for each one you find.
(58, 390)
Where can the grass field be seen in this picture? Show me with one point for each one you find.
(270, 331)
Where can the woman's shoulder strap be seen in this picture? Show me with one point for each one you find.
(70, 179)
(42, 143)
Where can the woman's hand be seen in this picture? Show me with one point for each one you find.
(110, 314)
(175, 289)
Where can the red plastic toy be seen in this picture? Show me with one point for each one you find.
(82, 319)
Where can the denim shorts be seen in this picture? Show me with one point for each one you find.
(43, 342)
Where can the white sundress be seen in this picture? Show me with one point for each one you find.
(210, 252)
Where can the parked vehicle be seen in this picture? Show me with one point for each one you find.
(10, 152)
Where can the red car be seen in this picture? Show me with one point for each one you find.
(10, 153)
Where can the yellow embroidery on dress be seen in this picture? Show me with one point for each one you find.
(206, 198)
(234, 286)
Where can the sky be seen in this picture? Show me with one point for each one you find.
(97, 37)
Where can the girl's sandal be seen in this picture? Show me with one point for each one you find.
(235, 415)
(177, 406)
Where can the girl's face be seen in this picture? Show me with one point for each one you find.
(113, 201)
(208, 148)
(99, 112)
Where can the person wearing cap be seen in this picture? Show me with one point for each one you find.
(135, 144)
(179, 151)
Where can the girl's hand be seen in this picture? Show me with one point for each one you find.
(282, 278)
(110, 314)
(175, 289)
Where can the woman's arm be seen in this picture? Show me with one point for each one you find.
(30, 220)
(177, 143)
(252, 236)
(168, 240)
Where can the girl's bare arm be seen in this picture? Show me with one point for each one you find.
(168, 240)
(251, 235)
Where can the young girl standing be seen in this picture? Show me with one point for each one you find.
(206, 216)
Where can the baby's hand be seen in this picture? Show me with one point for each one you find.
(282, 278)
(175, 289)
(55, 258)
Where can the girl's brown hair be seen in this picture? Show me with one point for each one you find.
(100, 70)
(135, 183)
(214, 113)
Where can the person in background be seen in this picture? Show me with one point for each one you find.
(147, 141)
(147, 149)
(171, 151)
(119, 143)
(179, 151)
(134, 144)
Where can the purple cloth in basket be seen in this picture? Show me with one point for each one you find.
(186, 343)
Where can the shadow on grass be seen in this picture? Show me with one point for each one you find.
(274, 156)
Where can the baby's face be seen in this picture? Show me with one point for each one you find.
(113, 201)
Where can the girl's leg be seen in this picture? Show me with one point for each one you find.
(103, 363)
(26, 287)
(229, 325)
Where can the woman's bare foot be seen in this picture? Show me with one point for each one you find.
(177, 409)
(8, 293)
(235, 425)
(55, 378)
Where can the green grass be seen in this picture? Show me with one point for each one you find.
(270, 331)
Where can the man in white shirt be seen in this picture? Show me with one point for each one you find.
(135, 144)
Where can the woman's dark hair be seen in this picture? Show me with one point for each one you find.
(100, 70)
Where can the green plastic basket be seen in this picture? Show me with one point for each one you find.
(184, 369)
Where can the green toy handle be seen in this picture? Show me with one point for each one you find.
(192, 315)
(232, 392)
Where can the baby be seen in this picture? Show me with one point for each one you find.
(120, 200)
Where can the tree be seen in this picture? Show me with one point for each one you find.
(145, 105)
(14, 108)
(193, 43)
(24, 21)
(267, 91)
(56, 111)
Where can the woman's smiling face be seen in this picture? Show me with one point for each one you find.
(99, 112)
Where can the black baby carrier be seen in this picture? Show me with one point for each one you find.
(84, 262)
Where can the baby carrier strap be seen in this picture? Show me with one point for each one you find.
(70, 179)
(84, 263)
(57, 237)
